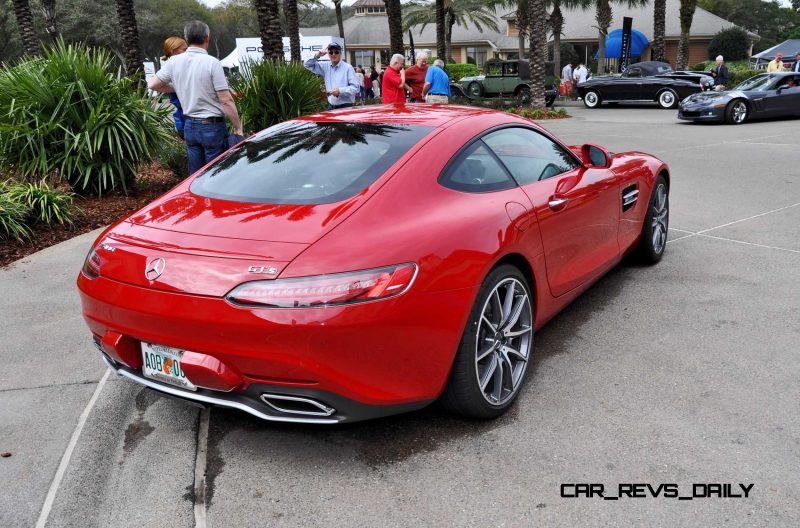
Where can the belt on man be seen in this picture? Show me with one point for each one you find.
(343, 105)
(215, 119)
(443, 95)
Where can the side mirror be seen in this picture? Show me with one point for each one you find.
(594, 156)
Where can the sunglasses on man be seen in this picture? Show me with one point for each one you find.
(334, 52)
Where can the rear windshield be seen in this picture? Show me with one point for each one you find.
(307, 163)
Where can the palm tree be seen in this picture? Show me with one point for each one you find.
(659, 50)
(441, 45)
(30, 41)
(49, 16)
(460, 12)
(556, 21)
(130, 36)
(523, 24)
(337, 4)
(395, 17)
(537, 14)
(686, 16)
(270, 27)
(293, 28)
(603, 17)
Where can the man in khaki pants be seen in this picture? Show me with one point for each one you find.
(437, 84)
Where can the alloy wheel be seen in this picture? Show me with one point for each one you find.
(660, 218)
(503, 343)
(739, 112)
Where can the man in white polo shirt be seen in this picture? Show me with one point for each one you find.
(198, 80)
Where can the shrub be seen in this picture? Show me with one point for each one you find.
(458, 71)
(271, 92)
(173, 156)
(12, 219)
(43, 202)
(732, 43)
(70, 114)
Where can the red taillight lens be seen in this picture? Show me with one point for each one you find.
(326, 290)
(91, 266)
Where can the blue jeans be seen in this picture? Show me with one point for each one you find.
(204, 142)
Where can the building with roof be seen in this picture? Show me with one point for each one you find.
(367, 34)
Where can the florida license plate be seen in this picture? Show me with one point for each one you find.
(163, 363)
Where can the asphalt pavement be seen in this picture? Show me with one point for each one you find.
(683, 373)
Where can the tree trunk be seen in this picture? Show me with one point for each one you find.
(557, 27)
(441, 47)
(658, 52)
(448, 37)
(30, 41)
(129, 33)
(395, 18)
(337, 5)
(270, 28)
(537, 14)
(603, 19)
(49, 16)
(686, 15)
(293, 24)
(523, 24)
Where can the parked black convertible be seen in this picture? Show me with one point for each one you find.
(644, 81)
(765, 95)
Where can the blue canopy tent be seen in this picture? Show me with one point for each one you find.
(614, 44)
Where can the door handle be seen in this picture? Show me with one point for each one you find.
(556, 204)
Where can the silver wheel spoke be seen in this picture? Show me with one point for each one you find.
(508, 301)
(517, 333)
(488, 323)
(498, 306)
(486, 351)
(498, 382)
(509, 351)
(515, 313)
(488, 373)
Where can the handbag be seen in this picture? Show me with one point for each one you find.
(234, 139)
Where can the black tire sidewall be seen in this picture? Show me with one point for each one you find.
(462, 393)
(646, 253)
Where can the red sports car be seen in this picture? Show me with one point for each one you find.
(368, 261)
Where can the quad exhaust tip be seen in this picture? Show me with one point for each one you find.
(296, 405)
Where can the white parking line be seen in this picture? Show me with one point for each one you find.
(62, 467)
(200, 469)
(748, 218)
(751, 243)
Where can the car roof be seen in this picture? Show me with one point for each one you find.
(437, 116)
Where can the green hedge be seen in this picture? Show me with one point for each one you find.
(457, 71)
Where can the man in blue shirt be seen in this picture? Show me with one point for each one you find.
(341, 83)
(437, 84)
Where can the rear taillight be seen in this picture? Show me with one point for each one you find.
(326, 290)
(91, 266)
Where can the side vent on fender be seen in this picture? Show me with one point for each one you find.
(629, 196)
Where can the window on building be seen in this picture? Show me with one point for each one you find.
(477, 56)
(363, 58)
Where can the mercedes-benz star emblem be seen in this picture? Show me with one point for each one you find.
(155, 268)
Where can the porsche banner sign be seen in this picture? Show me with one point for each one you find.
(627, 26)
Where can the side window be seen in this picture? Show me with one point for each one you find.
(529, 155)
(476, 170)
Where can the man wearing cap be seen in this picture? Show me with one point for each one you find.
(341, 83)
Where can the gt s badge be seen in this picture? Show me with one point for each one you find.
(263, 270)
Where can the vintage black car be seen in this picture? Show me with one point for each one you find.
(765, 95)
(644, 81)
(507, 78)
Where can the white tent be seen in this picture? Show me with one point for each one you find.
(231, 61)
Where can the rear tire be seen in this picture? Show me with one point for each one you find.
(653, 240)
(592, 99)
(491, 362)
(667, 99)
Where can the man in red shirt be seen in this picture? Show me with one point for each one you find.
(393, 88)
(415, 77)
